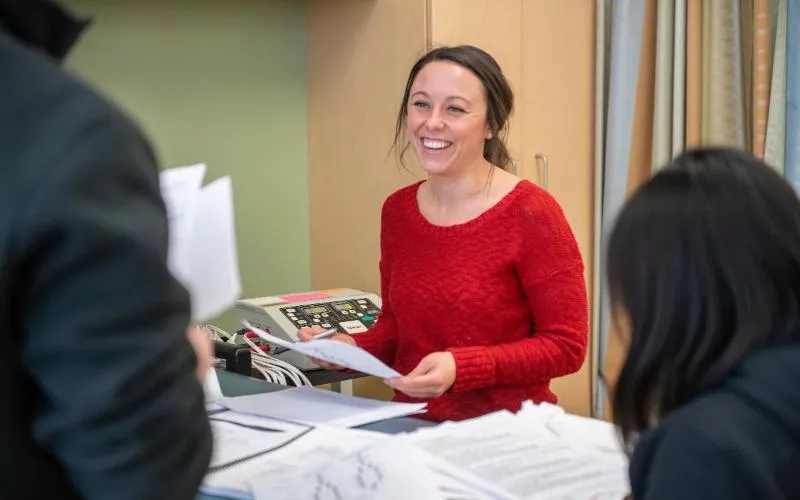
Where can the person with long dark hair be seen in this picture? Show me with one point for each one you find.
(704, 277)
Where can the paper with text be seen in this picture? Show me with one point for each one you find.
(333, 351)
(311, 406)
(202, 251)
(529, 463)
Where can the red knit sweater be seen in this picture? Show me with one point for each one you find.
(504, 293)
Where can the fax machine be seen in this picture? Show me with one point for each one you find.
(348, 310)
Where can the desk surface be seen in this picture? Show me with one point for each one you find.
(233, 384)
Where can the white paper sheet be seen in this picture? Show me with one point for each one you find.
(380, 471)
(215, 281)
(525, 462)
(374, 473)
(597, 434)
(211, 387)
(333, 351)
(233, 441)
(319, 447)
(579, 430)
(202, 251)
(311, 406)
(180, 188)
(257, 421)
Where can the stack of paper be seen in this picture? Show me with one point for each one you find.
(202, 256)
(538, 453)
(527, 461)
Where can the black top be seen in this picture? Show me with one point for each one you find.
(740, 441)
(98, 393)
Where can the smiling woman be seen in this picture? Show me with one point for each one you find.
(468, 83)
(484, 300)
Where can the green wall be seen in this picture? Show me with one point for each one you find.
(221, 82)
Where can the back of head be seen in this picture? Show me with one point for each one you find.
(704, 269)
(41, 24)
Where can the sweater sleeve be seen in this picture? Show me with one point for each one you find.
(550, 268)
(381, 339)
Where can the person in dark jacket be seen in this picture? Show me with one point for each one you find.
(99, 389)
(704, 277)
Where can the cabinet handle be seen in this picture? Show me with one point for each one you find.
(545, 169)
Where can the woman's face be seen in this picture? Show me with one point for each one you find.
(446, 118)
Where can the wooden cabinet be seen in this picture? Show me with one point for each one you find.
(359, 53)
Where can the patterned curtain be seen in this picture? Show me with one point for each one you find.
(678, 74)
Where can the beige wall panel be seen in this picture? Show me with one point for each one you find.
(558, 104)
(494, 26)
(358, 55)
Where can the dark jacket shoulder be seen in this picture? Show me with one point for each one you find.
(739, 441)
(97, 377)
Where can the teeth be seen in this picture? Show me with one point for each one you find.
(434, 144)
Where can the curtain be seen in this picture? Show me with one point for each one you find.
(675, 74)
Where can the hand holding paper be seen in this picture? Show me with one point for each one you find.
(313, 333)
(432, 377)
(332, 351)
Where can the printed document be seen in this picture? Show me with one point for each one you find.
(202, 251)
(529, 462)
(332, 351)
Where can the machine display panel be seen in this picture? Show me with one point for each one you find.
(314, 310)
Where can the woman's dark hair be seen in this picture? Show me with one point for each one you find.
(704, 265)
(498, 93)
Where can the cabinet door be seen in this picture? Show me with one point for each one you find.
(557, 102)
(358, 54)
(492, 25)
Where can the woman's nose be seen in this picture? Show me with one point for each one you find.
(435, 121)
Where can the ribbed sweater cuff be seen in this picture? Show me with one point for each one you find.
(474, 368)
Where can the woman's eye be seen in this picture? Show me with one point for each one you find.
(420, 104)
(455, 109)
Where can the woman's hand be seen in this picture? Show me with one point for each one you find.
(308, 333)
(432, 377)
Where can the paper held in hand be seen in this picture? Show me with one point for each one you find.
(202, 238)
(332, 351)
